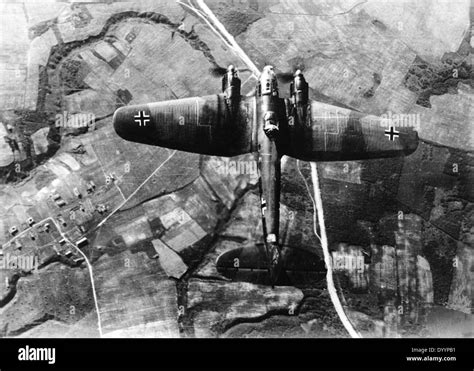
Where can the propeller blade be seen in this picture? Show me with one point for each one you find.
(218, 71)
(288, 76)
(285, 77)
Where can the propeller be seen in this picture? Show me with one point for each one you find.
(287, 76)
(218, 71)
(283, 76)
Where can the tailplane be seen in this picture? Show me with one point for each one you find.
(253, 263)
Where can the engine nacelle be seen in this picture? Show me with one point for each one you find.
(267, 83)
(231, 83)
(299, 90)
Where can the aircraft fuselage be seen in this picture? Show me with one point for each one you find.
(269, 166)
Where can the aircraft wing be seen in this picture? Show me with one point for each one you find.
(332, 133)
(205, 125)
(201, 125)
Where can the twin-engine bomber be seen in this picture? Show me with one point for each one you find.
(229, 124)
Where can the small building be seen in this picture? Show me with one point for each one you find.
(62, 221)
(13, 230)
(110, 178)
(82, 242)
(78, 260)
(30, 221)
(68, 253)
(61, 202)
(76, 192)
(90, 187)
(101, 208)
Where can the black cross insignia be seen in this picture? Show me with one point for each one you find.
(392, 133)
(141, 118)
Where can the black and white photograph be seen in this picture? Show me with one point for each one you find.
(237, 170)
